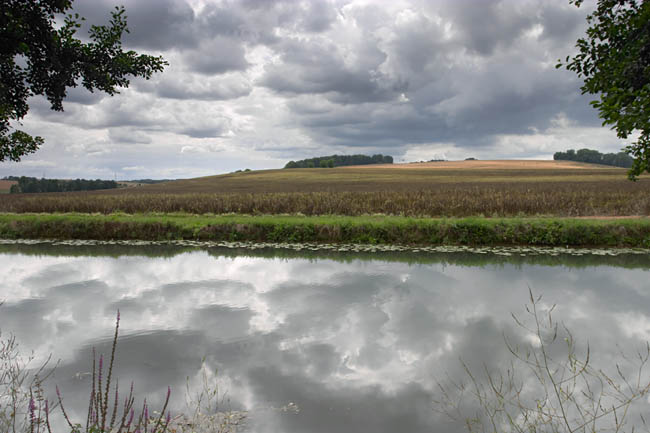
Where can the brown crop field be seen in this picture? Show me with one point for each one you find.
(465, 188)
(5, 185)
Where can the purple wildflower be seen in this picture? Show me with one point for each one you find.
(128, 424)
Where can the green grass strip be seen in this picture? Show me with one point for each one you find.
(331, 229)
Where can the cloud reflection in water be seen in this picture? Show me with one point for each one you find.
(357, 345)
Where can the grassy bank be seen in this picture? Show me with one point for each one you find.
(332, 229)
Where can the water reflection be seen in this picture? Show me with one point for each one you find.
(357, 344)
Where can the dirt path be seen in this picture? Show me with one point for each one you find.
(515, 164)
(604, 217)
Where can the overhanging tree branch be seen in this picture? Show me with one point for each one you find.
(36, 58)
(613, 59)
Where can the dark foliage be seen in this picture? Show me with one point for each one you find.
(40, 57)
(340, 160)
(32, 184)
(614, 61)
(620, 159)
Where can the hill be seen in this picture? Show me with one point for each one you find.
(387, 177)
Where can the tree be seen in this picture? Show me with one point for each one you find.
(37, 58)
(340, 160)
(614, 61)
(620, 159)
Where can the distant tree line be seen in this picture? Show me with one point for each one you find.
(340, 160)
(31, 184)
(620, 159)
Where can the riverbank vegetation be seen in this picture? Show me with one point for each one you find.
(331, 229)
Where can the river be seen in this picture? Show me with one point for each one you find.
(309, 341)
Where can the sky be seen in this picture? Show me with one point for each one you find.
(256, 83)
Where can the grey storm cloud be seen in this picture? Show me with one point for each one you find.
(153, 24)
(213, 91)
(485, 26)
(483, 79)
(82, 96)
(319, 68)
(218, 56)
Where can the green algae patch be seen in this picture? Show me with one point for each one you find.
(379, 230)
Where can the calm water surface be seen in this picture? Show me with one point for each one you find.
(357, 344)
